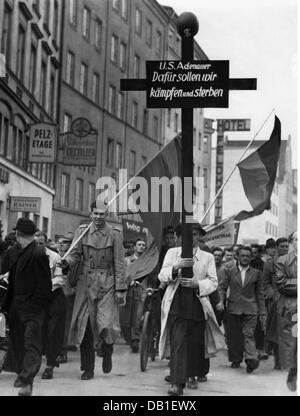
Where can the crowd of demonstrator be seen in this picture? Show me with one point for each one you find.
(241, 298)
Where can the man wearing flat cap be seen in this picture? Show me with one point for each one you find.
(101, 287)
(28, 296)
(184, 327)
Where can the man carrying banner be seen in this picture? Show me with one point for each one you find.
(101, 288)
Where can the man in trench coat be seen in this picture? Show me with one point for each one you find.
(100, 290)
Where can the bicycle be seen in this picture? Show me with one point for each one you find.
(150, 329)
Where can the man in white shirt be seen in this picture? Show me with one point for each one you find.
(245, 304)
(55, 318)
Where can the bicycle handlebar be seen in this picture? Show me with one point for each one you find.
(149, 290)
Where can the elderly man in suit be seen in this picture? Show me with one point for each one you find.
(244, 304)
(181, 327)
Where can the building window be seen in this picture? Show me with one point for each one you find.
(32, 69)
(45, 225)
(120, 110)
(83, 79)
(155, 128)
(124, 10)
(47, 12)
(176, 124)
(52, 95)
(114, 49)
(119, 148)
(92, 194)
(21, 53)
(199, 140)
(194, 137)
(145, 122)
(73, 12)
(134, 118)
(205, 174)
(43, 86)
(132, 163)
(4, 132)
(55, 22)
(123, 49)
(138, 21)
(6, 33)
(171, 37)
(86, 23)
(205, 144)
(19, 155)
(98, 34)
(78, 194)
(112, 99)
(96, 88)
(158, 43)
(149, 33)
(116, 5)
(168, 117)
(70, 68)
(136, 66)
(64, 190)
(67, 122)
(110, 153)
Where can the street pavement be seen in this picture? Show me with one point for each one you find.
(126, 379)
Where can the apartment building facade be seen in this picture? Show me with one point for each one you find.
(30, 34)
(104, 42)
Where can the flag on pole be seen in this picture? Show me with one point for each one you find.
(258, 173)
(167, 163)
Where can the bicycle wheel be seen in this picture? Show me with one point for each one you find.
(145, 339)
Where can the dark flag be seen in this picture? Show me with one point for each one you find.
(258, 173)
(167, 163)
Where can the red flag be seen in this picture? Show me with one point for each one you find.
(258, 173)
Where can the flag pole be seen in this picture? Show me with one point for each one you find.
(235, 166)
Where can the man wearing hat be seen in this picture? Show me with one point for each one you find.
(182, 327)
(28, 296)
(100, 289)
